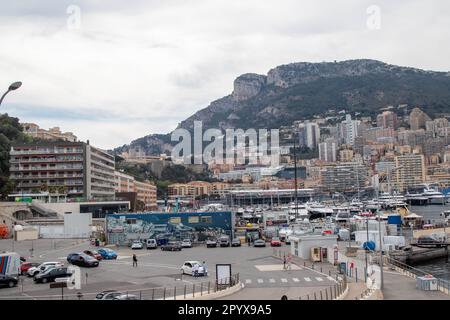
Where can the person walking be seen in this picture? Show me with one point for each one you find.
(135, 261)
(284, 262)
(205, 270)
(195, 269)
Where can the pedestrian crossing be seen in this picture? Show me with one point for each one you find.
(284, 281)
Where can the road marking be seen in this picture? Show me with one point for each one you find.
(307, 279)
(272, 280)
(123, 257)
(248, 281)
(330, 278)
(319, 279)
(275, 267)
(260, 280)
(284, 280)
(296, 279)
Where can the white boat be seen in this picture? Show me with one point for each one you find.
(434, 196)
(301, 210)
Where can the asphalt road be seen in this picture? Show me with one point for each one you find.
(158, 269)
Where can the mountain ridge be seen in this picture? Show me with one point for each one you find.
(301, 90)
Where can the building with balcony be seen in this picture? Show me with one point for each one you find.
(146, 193)
(411, 171)
(75, 169)
(344, 177)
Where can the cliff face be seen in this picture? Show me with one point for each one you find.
(302, 90)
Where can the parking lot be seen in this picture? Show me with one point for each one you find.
(256, 267)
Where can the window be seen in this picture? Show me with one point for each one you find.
(175, 220)
(194, 219)
(206, 219)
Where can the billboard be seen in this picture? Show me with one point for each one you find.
(196, 226)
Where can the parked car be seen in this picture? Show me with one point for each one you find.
(126, 297)
(236, 242)
(25, 266)
(186, 243)
(52, 274)
(94, 254)
(8, 281)
(189, 268)
(82, 260)
(43, 267)
(137, 245)
(108, 295)
(107, 253)
(224, 241)
(275, 242)
(171, 246)
(211, 243)
(151, 244)
(259, 243)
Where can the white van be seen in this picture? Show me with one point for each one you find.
(151, 244)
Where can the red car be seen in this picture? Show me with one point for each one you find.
(93, 254)
(275, 242)
(24, 266)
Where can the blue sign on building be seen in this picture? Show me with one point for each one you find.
(196, 226)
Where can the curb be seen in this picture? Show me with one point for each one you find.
(220, 294)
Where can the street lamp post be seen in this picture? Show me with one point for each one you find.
(295, 176)
(12, 87)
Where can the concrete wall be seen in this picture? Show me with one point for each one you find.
(27, 234)
(78, 225)
(61, 208)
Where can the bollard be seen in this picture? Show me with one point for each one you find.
(320, 268)
(175, 293)
(185, 292)
(326, 294)
(140, 295)
(209, 285)
(315, 297)
(329, 273)
(356, 274)
(164, 296)
(321, 297)
(307, 296)
(201, 289)
(193, 290)
(153, 294)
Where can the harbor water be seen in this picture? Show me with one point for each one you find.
(439, 267)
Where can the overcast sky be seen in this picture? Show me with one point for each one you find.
(120, 70)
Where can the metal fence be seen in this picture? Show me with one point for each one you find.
(177, 292)
(328, 293)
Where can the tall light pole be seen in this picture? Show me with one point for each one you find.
(379, 232)
(295, 175)
(12, 87)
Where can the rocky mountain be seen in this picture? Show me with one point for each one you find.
(303, 90)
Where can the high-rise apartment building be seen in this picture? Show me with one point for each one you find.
(327, 150)
(344, 177)
(309, 135)
(410, 170)
(387, 119)
(418, 119)
(349, 130)
(76, 169)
